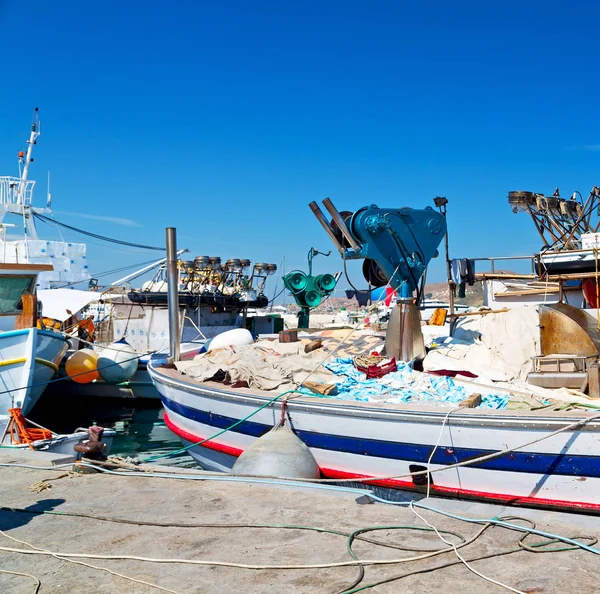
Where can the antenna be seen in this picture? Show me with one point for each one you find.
(49, 195)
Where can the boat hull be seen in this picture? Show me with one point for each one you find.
(355, 440)
(28, 360)
(138, 387)
(62, 443)
(567, 262)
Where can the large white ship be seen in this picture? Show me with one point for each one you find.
(19, 240)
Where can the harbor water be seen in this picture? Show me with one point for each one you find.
(141, 431)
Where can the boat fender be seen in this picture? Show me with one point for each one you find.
(82, 366)
(277, 453)
(117, 363)
(236, 337)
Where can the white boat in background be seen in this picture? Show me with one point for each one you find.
(29, 358)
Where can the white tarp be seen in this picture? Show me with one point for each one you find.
(497, 346)
(55, 302)
(265, 365)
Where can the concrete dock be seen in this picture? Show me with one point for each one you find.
(236, 505)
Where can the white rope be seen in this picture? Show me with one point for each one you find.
(437, 443)
(68, 556)
(61, 558)
(463, 561)
(37, 581)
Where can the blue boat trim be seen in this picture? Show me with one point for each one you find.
(10, 333)
(53, 335)
(534, 463)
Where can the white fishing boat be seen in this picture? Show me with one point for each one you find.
(408, 430)
(396, 444)
(29, 358)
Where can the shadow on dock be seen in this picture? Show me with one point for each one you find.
(15, 517)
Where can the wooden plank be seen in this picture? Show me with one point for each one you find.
(28, 317)
(483, 312)
(571, 276)
(31, 267)
(472, 401)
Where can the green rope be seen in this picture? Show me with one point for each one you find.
(193, 445)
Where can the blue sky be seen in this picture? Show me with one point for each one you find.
(224, 119)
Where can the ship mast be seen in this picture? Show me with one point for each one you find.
(26, 160)
(28, 222)
(16, 193)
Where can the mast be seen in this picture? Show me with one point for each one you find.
(28, 223)
(26, 160)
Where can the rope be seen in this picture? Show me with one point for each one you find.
(462, 559)
(367, 479)
(60, 558)
(534, 548)
(597, 291)
(36, 580)
(186, 448)
(356, 535)
(215, 563)
(48, 220)
(540, 547)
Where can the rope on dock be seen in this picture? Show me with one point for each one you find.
(60, 557)
(37, 581)
(503, 522)
(351, 537)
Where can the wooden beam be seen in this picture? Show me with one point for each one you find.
(483, 312)
(32, 267)
(28, 317)
(571, 276)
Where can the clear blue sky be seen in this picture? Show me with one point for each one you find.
(224, 119)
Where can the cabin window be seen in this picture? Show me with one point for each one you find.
(11, 290)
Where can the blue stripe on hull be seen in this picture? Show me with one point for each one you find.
(561, 464)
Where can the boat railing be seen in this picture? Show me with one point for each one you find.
(494, 268)
(14, 190)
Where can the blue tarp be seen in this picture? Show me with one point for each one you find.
(404, 385)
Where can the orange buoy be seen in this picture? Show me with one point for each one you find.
(82, 366)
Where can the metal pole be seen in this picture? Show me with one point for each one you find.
(321, 218)
(173, 294)
(337, 218)
(441, 203)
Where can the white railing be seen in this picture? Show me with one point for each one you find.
(15, 191)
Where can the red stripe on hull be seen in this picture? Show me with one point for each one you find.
(408, 485)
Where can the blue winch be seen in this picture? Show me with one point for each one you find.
(396, 244)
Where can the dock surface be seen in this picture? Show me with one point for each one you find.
(236, 505)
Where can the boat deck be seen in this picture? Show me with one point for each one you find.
(217, 388)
